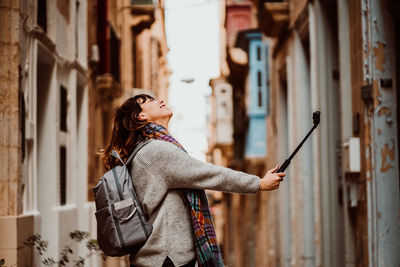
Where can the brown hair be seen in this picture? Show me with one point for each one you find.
(127, 131)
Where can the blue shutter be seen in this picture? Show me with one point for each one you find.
(256, 141)
(258, 79)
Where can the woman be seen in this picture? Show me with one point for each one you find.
(170, 185)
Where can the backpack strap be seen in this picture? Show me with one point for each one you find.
(115, 154)
(136, 150)
(117, 184)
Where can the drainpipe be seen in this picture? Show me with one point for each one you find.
(316, 141)
(346, 121)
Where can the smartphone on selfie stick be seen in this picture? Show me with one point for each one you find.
(316, 119)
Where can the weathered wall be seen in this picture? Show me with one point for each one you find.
(14, 227)
(339, 57)
(380, 119)
(37, 61)
(10, 135)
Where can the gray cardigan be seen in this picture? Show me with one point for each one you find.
(157, 171)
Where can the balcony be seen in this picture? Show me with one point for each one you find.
(222, 112)
(274, 18)
(143, 14)
(108, 88)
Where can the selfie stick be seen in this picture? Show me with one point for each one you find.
(316, 117)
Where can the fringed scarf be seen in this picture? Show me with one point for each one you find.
(207, 250)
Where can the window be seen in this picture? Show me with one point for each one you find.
(63, 175)
(259, 80)
(134, 60)
(114, 54)
(154, 64)
(42, 14)
(259, 89)
(258, 53)
(77, 29)
(22, 112)
(63, 108)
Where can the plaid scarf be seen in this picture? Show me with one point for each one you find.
(207, 250)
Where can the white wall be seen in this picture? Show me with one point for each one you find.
(45, 71)
(325, 97)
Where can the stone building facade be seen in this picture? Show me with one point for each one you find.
(339, 205)
(65, 66)
(44, 116)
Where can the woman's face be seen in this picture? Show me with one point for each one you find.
(154, 110)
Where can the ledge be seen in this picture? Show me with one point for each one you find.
(142, 21)
(38, 33)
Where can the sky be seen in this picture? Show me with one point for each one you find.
(192, 28)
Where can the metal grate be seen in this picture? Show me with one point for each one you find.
(63, 175)
(63, 109)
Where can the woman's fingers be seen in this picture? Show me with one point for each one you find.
(274, 169)
(271, 180)
(279, 176)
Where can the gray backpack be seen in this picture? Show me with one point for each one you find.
(122, 227)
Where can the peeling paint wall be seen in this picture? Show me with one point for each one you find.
(379, 73)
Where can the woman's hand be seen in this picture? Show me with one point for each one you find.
(271, 180)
